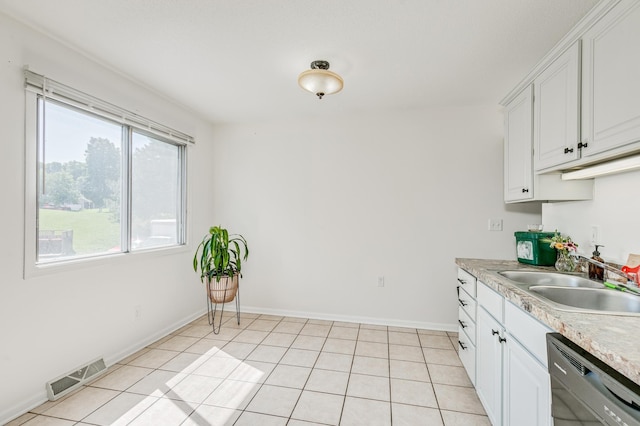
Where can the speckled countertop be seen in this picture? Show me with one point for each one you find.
(614, 339)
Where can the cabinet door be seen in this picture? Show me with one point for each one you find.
(489, 365)
(556, 111)
(611, 82)
(527, 393)
(518, 134)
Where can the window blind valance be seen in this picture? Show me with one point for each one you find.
(52, 89)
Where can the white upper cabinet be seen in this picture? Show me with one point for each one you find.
(611, 80)
(518, 134)
(557, 110)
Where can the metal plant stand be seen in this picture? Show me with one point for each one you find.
(228, 294)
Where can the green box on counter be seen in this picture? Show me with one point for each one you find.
(531, 248)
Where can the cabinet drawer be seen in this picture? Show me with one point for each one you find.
(467, 354)
(467, 303)
(467, 324)
(530, 332)
(467, 282)
(491, 301)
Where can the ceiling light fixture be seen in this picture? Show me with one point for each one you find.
(319, 80)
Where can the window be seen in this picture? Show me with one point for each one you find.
(103, 180)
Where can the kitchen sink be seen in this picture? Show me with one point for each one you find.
(555, 279)
(594, 300)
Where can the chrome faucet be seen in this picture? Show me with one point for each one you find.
(630, 279)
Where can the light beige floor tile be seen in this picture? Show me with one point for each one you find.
(164, 412)
(48, 421)
(253, 419)
(279, 339)
(294, 319)
(308, 342)
(206, 346)
(441, 356)
(409, 415)
(407, 339)
(456, 398)
(377, 350)
(178, 343)
(197, 331)
(316, 330)
(320, 322)
(265, 353)
(289, 327)
(122, 378)
(274, 400)
(208, 415)
(160, 341)
(413, 393)
(373, 327)
(432, 332)
(368, 335)
(449, 375)
(232, 394)
(371, 387)
(406, 353)
(403, 330)
(133, 356)
(294, 422)
(455, 342)
(262, 325)
(359, 412)
(184, 362)
(439, 342)
(328, 381)
(339, 346)
(252, 371)
(250, 336)
(157, 383)
(346, 324)
(120, 410)
(21, 419)
(319, 407)
(452, 334)
(226, 333)
(270, 317)
(343, 333)
(300, 357)
(371, 366)
(81, 403)
(335, 362)
(219, 367)
(237, 350)
(409, 370)
(154, 358)
(193, 389)
(453, 418)
(289, 376)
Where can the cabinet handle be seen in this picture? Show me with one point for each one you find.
(461, 281)
(462, 346)
(583, 145)
(525, 189)
(462, 324)
(502, 339)
(568, 150)
(494, 332)
(462, 302)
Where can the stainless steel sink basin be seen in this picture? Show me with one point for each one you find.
(589, 299)
(530, 278)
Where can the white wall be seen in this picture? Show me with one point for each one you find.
(50, 325)
(329, 205)
(615, 210)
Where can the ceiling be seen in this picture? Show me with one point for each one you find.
(238, 60)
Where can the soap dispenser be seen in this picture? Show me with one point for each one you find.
(596, 272)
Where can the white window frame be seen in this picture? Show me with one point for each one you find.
(39, 86)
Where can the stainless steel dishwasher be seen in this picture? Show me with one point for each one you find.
(586, 391)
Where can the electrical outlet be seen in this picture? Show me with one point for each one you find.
(595, 234)
(381, 281)
(495, 224)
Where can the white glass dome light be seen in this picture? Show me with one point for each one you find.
(319, 80)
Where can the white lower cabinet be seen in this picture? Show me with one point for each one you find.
(512, 381)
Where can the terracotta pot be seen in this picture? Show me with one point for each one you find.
(223, 291)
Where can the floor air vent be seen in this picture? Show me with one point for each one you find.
(72, 380)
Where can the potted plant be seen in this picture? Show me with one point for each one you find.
(219, 259)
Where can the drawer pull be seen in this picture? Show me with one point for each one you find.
(494, 332)
(583, 144)
(462, 324)
(462, 302)
(525, 190)
(502, 339)
(461, 281)
(568, 150)
(462, 346)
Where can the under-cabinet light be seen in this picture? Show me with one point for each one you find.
(612, 167)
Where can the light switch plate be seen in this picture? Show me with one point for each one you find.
(495, 224)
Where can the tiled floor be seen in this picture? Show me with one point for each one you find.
(279, 371)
